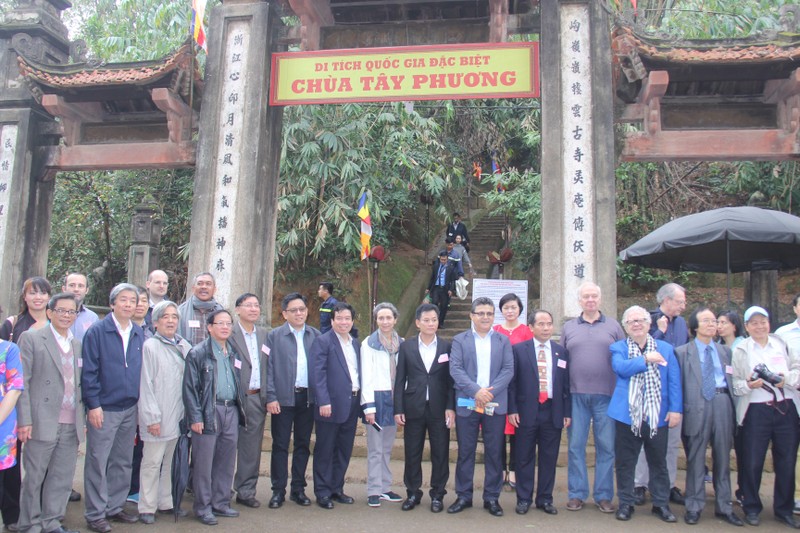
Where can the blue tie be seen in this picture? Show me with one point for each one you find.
(709, 383)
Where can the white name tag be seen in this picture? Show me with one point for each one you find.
(265, 349)
(194, 323)
(562, 363)
(728, 369)
(237, 363)
(80, 362)
(444, 358)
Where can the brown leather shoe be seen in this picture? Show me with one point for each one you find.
(574, 504)
(606, 506)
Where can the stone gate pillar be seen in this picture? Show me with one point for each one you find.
(578, 205)
(234, 213)
(32, 28)
(143, 253)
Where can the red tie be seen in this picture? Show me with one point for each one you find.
(541, 363)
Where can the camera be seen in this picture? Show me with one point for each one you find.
(760, 371)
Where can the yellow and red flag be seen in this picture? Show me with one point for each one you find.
(198, 31)
(366, 226)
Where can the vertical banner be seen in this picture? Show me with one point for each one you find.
(578, 179)
(8, 147)
(231, 145)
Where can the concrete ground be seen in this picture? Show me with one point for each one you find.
(389, 516)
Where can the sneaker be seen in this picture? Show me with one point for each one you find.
(391, 497)
(133, 498)
(796, 509)
(374, 501)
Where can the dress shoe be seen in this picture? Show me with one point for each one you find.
(181, 512)
(249, 502)
(730, 518)
(639, 495)
(342, 498)
(522, 507)
(459, 505)
(676, 497)
(409, 504)
(228, 512)
(13, 528)
(574, 504)
(147, 518)
(208, 519)
(325, 502)
(789, 521)
(74, 496)
(548, 508)
(752, 519)
(691, 517)
(123, 517)
(493, 506)
(624, 512)
(276, 500)
(663, 513)
(606, 506)
(100, 525)
(436, 505)
(300, 498)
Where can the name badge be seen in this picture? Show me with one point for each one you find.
(194, 323)
(265, 349)
(444, 358)
(237, 364)
(86, 326)
(80, 362)
(562, 363)
(728, 369)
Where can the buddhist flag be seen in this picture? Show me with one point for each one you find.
(366, 226)
(198, 13)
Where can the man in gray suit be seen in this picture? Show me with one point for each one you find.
(481, 365)
(50, 413)
(249, 341)
(708, 416)
(287, 400)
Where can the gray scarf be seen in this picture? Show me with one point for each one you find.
(196, 304)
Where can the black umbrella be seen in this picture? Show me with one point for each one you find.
(730, 239)
(180, 469)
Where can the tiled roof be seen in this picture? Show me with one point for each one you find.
(711, 51)
(77, 75)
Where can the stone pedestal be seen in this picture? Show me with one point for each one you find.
(143, 254)
(761, 288)
(32, 28)
(578, 205)
(234, 213)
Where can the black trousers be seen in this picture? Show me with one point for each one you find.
(764, 424)
(626, 449)
(440, 299)
(10, 484)
(414, 442)
(332, 452)
(545, 438)
(301, 418)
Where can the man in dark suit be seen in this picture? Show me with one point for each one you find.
(249, 341)
(456, 227)
(539, 407)
(482, 366)
(50, 416)
(442, 284)
(287, 399)
(334, 361)
(424, 400)
(708, 416)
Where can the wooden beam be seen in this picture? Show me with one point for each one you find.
(498, 21)
(776, 91)
(72, 115)
(711, 145)
(654, 86)
(123, 156)
(314, 14)
(179, 115)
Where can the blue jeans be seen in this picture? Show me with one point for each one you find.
(593, 408)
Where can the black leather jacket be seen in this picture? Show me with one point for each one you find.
(200, 386)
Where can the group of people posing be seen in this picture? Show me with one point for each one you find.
(215, 374)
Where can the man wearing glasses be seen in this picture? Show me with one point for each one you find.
(249, 341)
(214, 401)
(284, 391)
(482, 366)
(50, 357)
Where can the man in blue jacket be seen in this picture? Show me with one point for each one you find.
(112, 367)
(647, 401)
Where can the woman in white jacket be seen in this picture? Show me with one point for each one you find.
(160, 409)
(378, 363)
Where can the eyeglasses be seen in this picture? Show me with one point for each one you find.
(62, 312)
(222, 324)
(707, 321)
(297, 310)
(251, 306)
(636, 321)
(484, 314)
